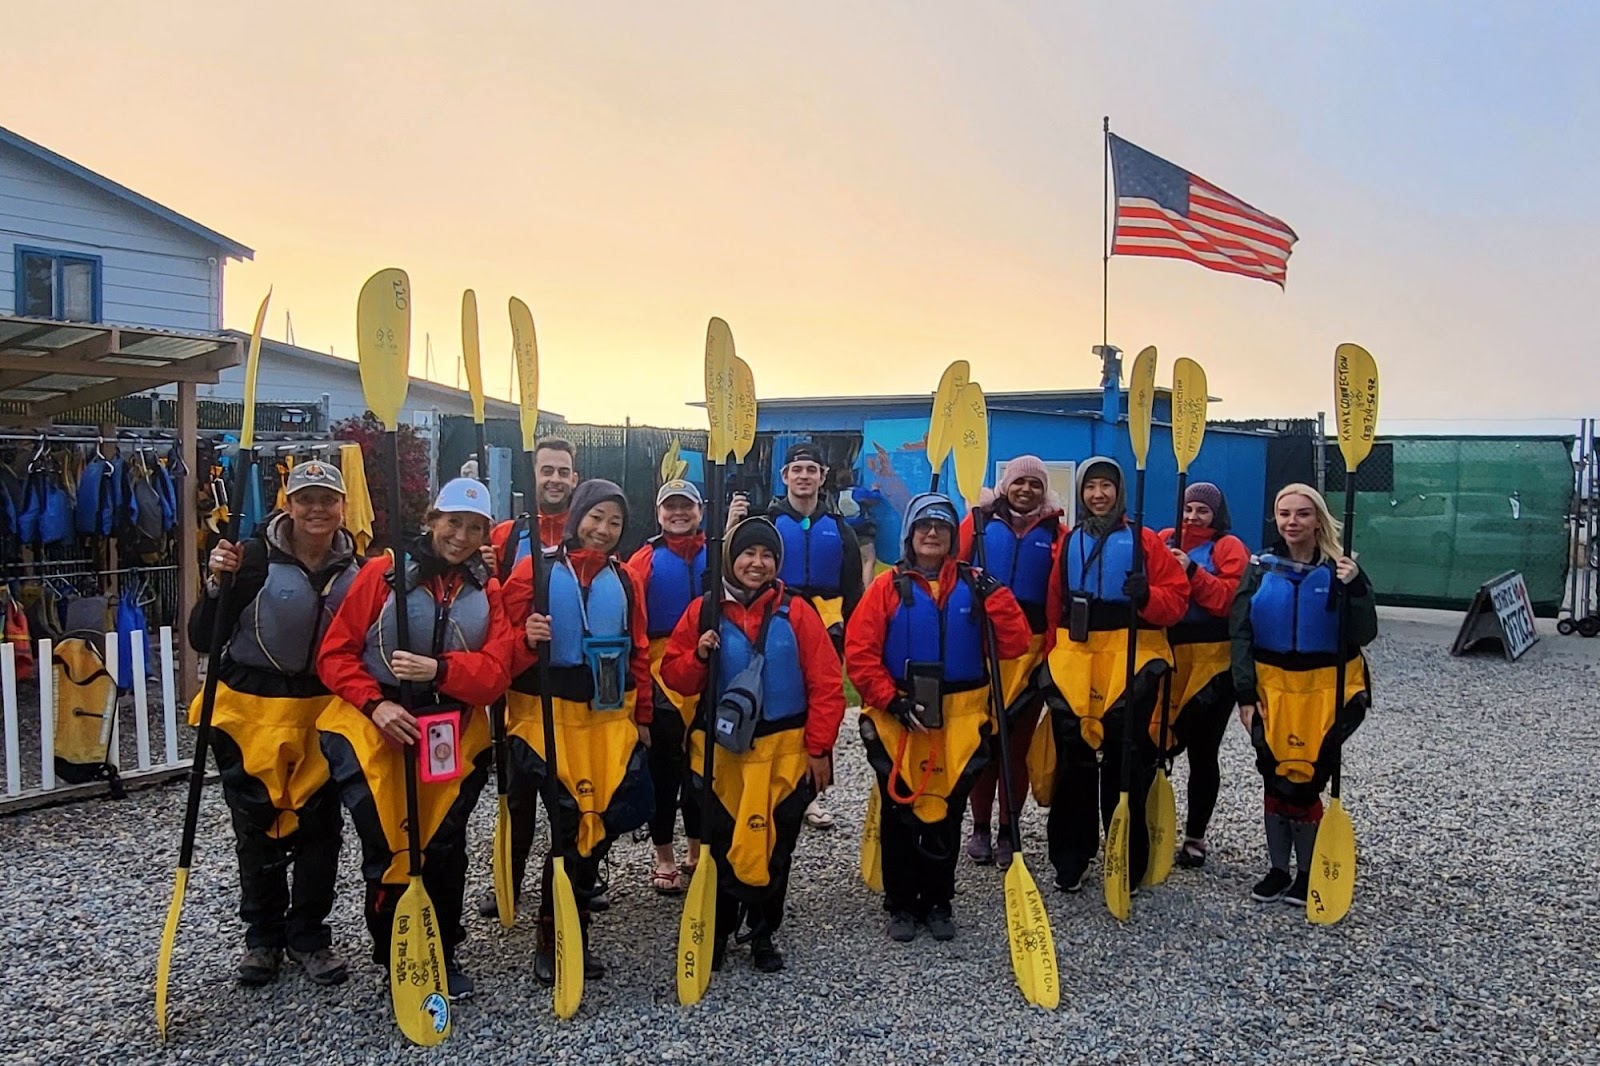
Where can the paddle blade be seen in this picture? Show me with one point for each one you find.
(252, 363)
(1033, 948)
(940, 436)
(669, 461)
(971, 441)
(1333, 867)
(719, 390)
(416, 969)
(696, 932)
(743, 426)
(383, 341)
(1355, 394)
(525, 349)
(1161, 820)
(169, 936)
(1118, 900)
(872, 844)
(1141, 401)
(1188, 411)
(505, 895)
(470, 354)
(568, 945)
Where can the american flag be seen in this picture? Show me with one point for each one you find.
(1163, 210)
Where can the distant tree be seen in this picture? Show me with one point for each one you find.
(368, 432)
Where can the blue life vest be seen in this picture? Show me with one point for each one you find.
(919, 632)
(674, 584)
(813, 554)
(1106, 573)
(1022, 563)
(99, 496)
(1200, 555)
(1293, 611)
(161, 478)
(783, 683)
(606, 604)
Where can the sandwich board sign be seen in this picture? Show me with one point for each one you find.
(1500, 611)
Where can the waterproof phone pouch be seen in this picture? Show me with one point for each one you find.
(441, 745)
(607, 658)
(927, 690)
(1078, 617)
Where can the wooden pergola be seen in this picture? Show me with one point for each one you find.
(49, 368)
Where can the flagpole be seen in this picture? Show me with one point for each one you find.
(1105, 235)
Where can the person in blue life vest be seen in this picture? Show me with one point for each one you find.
(1286, 641)
(591, 617)
(916, 651)
(821, 557)
(1021, 532)
(1199, 693)
(671, 568)
(1075, 761)
(288, 583)
(769, 768)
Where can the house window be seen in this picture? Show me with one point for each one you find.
(58, 285)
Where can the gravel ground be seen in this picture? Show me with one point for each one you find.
(1473, 937)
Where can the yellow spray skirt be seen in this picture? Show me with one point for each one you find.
(1297, 711)
(277, 739)
(940, 757)
(593, 750)
(383, 766)
(1090, 675)
(1194, 666)
(750, 786)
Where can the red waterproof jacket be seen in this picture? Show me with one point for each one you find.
(586, 564)
(473, 677)
(551, 526)
(868, 629)
(687, 546)
(683, 671)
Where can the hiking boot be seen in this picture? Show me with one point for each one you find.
(979, 850)
(719, 954)
(321, 965)
(940, 925)
(259, 966)
(544, 966)
(593, 968)
(456, 982)
(1002, 850)
(1296, 896)
(1192, 855)
(1271, 888)
(902, 927)
(767, 958)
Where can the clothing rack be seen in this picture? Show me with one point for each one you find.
(7, 575)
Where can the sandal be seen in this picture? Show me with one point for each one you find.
(686, 870)
(666, 882)
(1192, 855)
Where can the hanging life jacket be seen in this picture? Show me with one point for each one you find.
(131, 627)
(100, 496)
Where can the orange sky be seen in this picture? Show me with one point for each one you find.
(864, 191)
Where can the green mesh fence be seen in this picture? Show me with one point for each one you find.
(1440, 516)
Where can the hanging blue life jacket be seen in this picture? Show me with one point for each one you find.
(131, 627)
(100, 496)
(604, 603)
(813, 553)
(919, 632)
(675, 582)
(1087, 566)
(1022, 563)
(783, 683)
(161, 479)
(55, 524)
(1294, 610)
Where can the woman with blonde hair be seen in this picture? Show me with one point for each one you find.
(1286, 648)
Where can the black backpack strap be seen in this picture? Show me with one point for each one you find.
(902, 586)
(508, 558)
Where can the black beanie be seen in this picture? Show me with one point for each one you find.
(752, 531)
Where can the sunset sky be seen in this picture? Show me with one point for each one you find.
(868, 190)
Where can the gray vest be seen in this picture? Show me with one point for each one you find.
(282, 627)
(466, 626)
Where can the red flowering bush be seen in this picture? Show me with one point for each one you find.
(368, 432)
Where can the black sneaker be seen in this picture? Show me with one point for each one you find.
(321, 965)
(719, 954)
(902, 927)
(940, 925)
(1071, 881)
(456, 982)
(1271, 888)
(487, 908)
(1192, 855)
(600, 902)
(1296, 896)
(259, 966)
(767, 958)
(544, 962)
(593, 968)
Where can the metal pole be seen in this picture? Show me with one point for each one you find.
(1105, 235)
(1322, 452)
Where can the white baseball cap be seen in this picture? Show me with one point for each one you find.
(464, 494)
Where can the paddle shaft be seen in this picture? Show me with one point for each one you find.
(1133, 633)
(219, 636)
(991, 651)
(482, 453)
(1344, 619)
(1175, 541)
(402, 639)
(715, 517)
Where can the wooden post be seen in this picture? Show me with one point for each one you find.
(188, 541)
